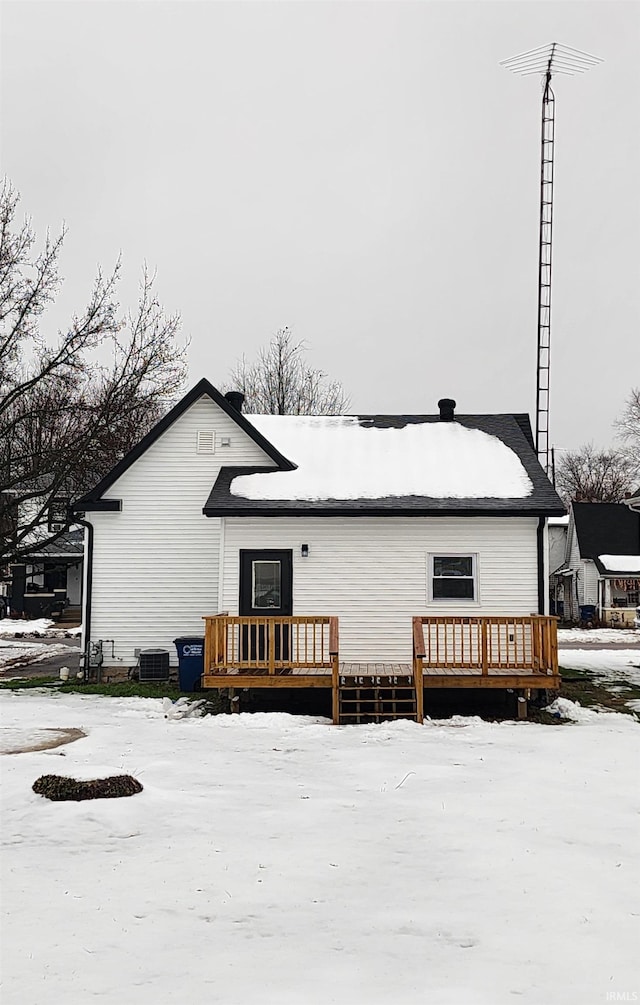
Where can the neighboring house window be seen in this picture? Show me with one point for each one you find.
(58, 517)
(453, 577)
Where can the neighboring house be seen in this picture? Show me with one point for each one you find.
(43, 566)
(558, 527)
(370, 520)
(58, 566)
(600, 574)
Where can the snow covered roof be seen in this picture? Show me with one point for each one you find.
(385, 464)
(339, 457)
(623, 564)
(389, 464)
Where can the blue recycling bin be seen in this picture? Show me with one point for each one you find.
(190, 650)
(587, 613)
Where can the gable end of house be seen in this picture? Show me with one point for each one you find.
(93, 501)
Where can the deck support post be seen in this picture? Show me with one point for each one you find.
(521, 704)
(418, 684)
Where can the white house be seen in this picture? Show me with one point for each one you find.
(600, 574)
(371, 520)
(558, 527)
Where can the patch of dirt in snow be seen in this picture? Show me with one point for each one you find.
(23, 741)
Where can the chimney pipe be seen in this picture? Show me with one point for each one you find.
(446, 406)
(235, 399)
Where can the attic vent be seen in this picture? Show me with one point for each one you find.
(205, 441)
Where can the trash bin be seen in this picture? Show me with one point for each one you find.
(190, 661)
(587, 613)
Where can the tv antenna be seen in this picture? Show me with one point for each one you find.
(547, 60)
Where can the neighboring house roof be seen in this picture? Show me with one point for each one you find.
(633, 500)
(69, 545)
(618, 565)
(606, 529)
(391, 465)
(94, 500)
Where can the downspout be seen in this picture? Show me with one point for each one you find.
(221, 548)
(542, 586)
(88, 589)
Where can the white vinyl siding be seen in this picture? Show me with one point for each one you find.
(557, 547)
(371, 572)
(155, 564)
(590, 581)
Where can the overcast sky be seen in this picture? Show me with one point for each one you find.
(365, 173)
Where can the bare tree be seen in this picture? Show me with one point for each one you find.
(280, 382)
(590, 475)
(66, 415)
(628, 427)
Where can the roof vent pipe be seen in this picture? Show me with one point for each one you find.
(446, 406)
(235, 399)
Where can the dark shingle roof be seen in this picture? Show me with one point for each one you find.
(513, 430)
(606, 529)
(67, 545)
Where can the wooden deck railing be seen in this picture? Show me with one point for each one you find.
(268, 645)
(486, 645)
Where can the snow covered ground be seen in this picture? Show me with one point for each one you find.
(16, 654)
(594, 636)
(38, 628)
(605, 666)
(19, 649)
(279, 860)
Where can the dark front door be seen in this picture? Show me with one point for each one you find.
(266, 590)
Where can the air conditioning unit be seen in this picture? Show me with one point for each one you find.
(153, 664)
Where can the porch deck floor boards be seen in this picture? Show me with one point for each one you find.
(404, 669)
(376, 669)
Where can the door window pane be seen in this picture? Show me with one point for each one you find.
(265, 586)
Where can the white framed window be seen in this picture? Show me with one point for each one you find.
(205, 441)
(452, 578)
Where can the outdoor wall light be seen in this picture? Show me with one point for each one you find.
(304, 550)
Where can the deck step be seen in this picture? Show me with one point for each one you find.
(70, 616)
(358, 703)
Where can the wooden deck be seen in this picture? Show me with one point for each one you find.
(520, 652)
(448, 652)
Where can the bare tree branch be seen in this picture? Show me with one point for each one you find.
(628, 427)
(280, 382)
(590, 475)
(65, 417)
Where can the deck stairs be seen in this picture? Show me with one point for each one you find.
(70, 617)
(376, 697)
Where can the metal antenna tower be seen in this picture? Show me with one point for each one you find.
(547, 60)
